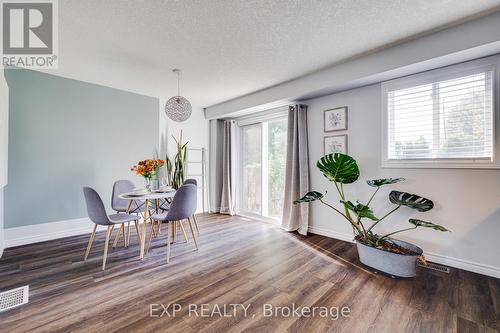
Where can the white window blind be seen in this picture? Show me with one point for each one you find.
(442, 119)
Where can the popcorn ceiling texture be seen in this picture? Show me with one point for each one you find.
(230, 48)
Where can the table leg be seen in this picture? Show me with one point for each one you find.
(143, 240)
(157, 211)
(129, 205)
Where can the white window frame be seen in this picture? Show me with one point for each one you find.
(441, 74)
(261, 118)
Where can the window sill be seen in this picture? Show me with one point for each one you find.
(438, 164)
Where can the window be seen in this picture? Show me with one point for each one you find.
(441, 118)
(262, 163)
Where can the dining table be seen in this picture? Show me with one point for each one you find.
(140, 197)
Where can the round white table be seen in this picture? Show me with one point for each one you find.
(146, 197)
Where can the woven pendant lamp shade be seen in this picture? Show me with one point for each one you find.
(178, 108)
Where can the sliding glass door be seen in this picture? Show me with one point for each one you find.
(262, 168)
(251, 158)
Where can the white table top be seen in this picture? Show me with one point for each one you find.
(148, 196)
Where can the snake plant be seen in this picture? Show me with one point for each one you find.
(176, 168)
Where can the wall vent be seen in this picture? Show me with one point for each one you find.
(435, 267)
(12, 298)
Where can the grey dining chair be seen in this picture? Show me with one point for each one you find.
(97, 214)
(182, 208)
(190, 181)
(165, 206)
(195, 183)
(120, 205)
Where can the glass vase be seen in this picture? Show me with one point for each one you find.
(155, 183)
(148, 184)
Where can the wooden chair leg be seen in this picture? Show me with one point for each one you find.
(150, 237)
(153, 228)
(118, 235)
(136, 223)
(174, 231)
(128, 235)
(196, 224)
(169, 235)
(192, 232)
(91, 240)
(181, 225)
(124, 234)
(106, 245)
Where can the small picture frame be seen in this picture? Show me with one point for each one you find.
(335, 119)
(335, 144)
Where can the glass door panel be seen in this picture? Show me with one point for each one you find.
(276, 163)
(251, 158)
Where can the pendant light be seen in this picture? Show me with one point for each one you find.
(178, 108)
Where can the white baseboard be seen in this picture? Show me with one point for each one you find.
(2, 243)
(46, 231)
(332, 234)
(433, 257)
(464, 264)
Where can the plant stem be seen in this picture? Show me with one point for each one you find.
(383, 217)
(362, 226)
(342, 197)
(335, 209)
(395, 232)
(338, 190)
(373, 195)
(338, 211)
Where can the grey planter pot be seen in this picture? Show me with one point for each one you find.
(388, 262)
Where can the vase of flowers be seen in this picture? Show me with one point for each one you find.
(150, 170)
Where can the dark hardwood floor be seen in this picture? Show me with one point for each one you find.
(240, 261)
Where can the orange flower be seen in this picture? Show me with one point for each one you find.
(147, 168)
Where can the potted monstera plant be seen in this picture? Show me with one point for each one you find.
(381, 252)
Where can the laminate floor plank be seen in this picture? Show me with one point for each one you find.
(240, 261)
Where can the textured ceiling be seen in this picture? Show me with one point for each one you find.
(230, 48)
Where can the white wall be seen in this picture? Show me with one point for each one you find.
(2, 241)
(466, 201)
(216, 132)
(194, 130)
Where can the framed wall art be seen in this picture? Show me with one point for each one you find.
(335, 119)
(335, 144)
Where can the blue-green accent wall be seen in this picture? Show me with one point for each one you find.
(65, 134)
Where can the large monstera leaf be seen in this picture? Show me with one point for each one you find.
(309, 197)
(411, 200)
(339, 168)
(420, 223)
(360, 210)
(383, 181)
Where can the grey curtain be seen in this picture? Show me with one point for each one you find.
(228, 168)
(296, 217)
